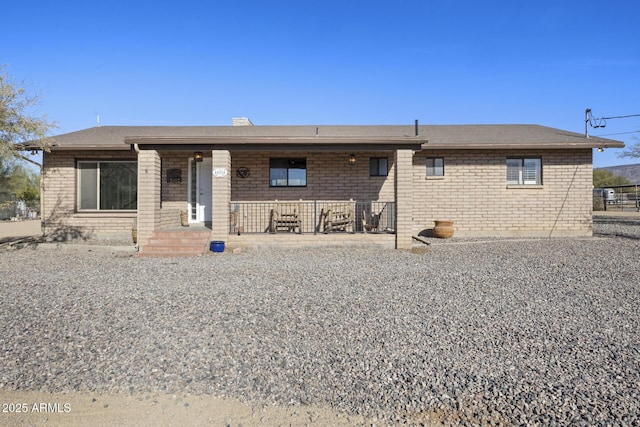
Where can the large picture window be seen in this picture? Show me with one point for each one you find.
(107, 186)
(524, 171)
(288, 172)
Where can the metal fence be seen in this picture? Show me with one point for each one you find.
(618, 198)
(313, 216)
(13, 208)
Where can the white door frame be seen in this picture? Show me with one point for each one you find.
(199, 210)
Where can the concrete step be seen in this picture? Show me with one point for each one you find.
(173, 250)
(171, 243)
(170, 252)
(167, 255)
(180, 241)
(199, 234)
(177, 248)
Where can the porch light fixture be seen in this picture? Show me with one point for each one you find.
(198, 156)
(352, 159)
(600, 149)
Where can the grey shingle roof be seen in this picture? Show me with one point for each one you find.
(510, 136)
(430, 136)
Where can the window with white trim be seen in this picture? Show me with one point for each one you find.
(435, 166)
(107, 185)
(524, 171)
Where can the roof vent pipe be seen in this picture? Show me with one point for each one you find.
(416, 127)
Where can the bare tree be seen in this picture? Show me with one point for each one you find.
(19, 124)
(633, 151)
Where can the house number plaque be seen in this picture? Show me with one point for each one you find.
(219, 172)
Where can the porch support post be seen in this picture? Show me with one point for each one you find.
(220, 193)
(149, 188)
(404, 198)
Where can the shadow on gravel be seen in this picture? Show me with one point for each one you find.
(619, 235)
(616, 220)
(618, 227)
(30, 242)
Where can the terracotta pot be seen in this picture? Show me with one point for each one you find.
(443, 229)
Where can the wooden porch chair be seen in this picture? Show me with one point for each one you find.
(340, 217)
(234, 222)
(286, 216)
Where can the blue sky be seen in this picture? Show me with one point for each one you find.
(330, 62)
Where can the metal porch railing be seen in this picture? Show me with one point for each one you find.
(312, 216)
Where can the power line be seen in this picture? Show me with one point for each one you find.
(620, 117)
(600, 122)
(619, 133)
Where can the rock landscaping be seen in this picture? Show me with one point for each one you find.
(496, 332)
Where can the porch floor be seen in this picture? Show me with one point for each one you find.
(288, 240)
(294, 240)
(190, 228)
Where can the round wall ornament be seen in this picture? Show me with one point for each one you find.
(243, 172)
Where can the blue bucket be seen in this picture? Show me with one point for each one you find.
(217, 246)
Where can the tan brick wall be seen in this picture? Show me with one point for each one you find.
(220, 193)
(174, 194)
(329, 177)
(149, 189)
(474, 194)
(60, 216)
(169, 218)
(404, 199)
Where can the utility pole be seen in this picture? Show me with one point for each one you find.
(586, 122)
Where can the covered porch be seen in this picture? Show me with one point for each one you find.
(335, 195)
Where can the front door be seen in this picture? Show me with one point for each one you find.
(200, 191)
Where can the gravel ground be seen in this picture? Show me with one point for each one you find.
(498, 332)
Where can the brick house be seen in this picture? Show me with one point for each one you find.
(231, 182)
